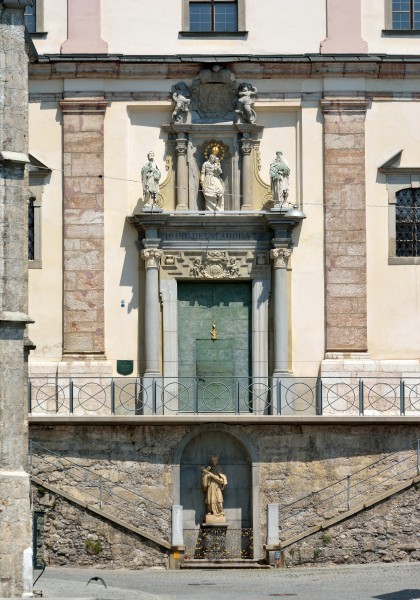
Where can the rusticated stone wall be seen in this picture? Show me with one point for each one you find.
(293, 460)
(345, 224)
(83, 259)
(74, 536)
(387, 532)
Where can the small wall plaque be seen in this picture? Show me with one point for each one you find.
(125, 367)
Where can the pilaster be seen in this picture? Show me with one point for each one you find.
(83, 230)
(344, 28)
(345, 224)
(246, 149)
(84, 28)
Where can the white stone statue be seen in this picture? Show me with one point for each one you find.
(214, 482)
(211, 182)
(150, 176)
(246, 98)
(181, 97)
(279, 177)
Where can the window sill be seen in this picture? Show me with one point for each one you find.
(404, 260)
(213, 34)
(400, 32)
(38, 34)
(35, 264)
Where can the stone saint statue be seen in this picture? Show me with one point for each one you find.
(214, 482)
(279, 176)
(211, 182)
(150, 176)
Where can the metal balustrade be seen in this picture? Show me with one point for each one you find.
(241, 395)
(348, 492)
(120, 500)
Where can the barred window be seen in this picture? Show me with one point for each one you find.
(405, 14)
(30, 17)
(407, 217)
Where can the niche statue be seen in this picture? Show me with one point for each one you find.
(211, 182)
(214, 482)
(150, 176)
(279, 177)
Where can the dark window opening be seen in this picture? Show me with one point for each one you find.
(214, 16)
(405, 14)
(30, 17)
(31, 229)
(407, 213)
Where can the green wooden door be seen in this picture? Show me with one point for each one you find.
(214, 373)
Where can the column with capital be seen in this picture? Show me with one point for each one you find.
(246, 149)
(181, 172)
(280, 257)
(152, 257)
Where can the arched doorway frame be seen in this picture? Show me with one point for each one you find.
(250, 451)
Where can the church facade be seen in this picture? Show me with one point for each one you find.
(224, 247)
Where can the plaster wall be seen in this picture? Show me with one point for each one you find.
(45, 284)
(130, 29)
(373, 24)
(393, 290)
(55, 26)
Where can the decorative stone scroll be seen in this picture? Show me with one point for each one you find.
(152, 257)
(280, 257)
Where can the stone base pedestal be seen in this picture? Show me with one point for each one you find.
(215, 520)
(214, 541)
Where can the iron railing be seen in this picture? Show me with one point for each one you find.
(116, 499)
(236, 395)
(351, 490)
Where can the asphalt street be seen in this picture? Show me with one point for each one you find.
(362, 582)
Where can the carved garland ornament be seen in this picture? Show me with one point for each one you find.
(215, 264)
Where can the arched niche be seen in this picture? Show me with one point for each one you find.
(239, 461)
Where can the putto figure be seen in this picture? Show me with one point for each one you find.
(246, 98)
(279, 177)
(181, 97)
(150, 176)
(214, 482)
(211, 182)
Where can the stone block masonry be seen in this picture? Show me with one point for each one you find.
(83, 125)
(15, 516)
(345, 225)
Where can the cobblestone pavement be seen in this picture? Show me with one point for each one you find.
(362, 582)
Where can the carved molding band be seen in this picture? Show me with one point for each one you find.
(280, 257)
(152, 257)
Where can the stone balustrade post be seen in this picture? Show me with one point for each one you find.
(152, 257)
(280, 257)
(181, 172)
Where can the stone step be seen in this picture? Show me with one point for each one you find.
(224, 563)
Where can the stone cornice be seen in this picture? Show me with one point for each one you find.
(341, 105)
(83, 105)
(16, 4)
(246, 66)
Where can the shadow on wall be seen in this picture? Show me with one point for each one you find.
(401, 595)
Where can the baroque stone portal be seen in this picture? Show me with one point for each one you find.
(214, 482)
